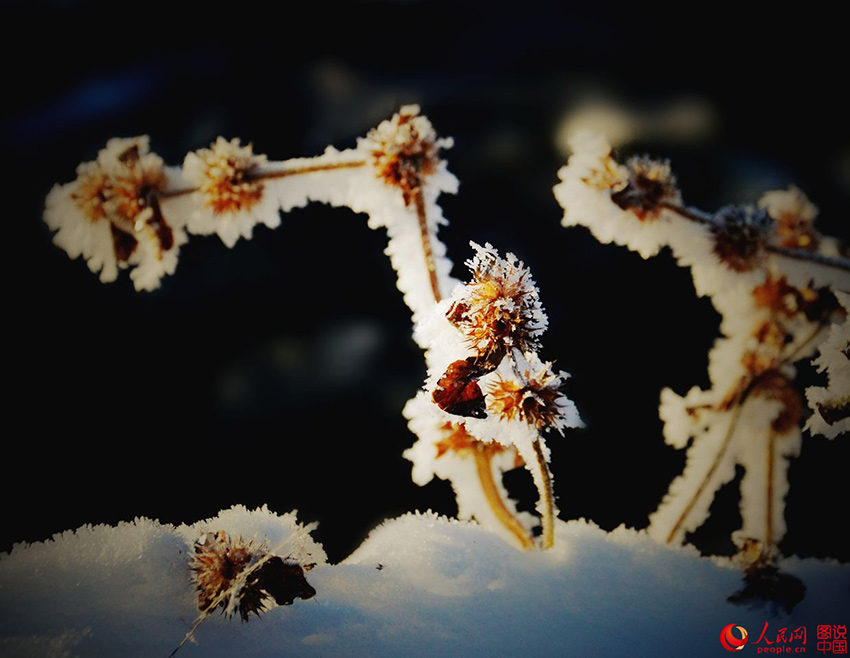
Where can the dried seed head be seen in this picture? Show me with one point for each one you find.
(122, 186)
(225, 175)
(532, 395)
(651, 184)
(405, 150)
(136, 177)
(794, 215)
(500, 308)
(228, 575)
(740, 234)
(217, 562)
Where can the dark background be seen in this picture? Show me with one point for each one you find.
(275, 373)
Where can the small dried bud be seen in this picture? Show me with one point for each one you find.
(405, 150)
(740, 234)
(500, 308)
(229, 575)
(794, 215)
(225, 176)
(651, 184)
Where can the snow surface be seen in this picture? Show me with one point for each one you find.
(420, 585)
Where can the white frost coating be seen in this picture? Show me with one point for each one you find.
(749, 415)
(78, 235)
(444, 588)
(834, 359)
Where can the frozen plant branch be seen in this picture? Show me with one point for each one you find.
(776, 282)
(127, 210)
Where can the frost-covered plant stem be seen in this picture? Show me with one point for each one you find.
(546, 504)
(776, 282)
(427, 249)
(484, 467)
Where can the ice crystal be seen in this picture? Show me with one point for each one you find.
(771, 277)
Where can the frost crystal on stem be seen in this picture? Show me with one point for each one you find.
(774, 280)
(832, 402)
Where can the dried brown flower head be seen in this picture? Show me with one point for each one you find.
(535, 397)
(225, 175)
(499, 309)
(233, 573)
(740, 234)
(405, 150)
(651, 185)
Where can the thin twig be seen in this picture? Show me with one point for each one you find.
(702, 217)
(428, 251)
(271, 175)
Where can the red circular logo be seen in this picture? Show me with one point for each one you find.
(729, 641)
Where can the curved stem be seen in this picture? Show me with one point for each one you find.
(494, 498)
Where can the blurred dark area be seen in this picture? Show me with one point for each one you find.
(275, 372)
